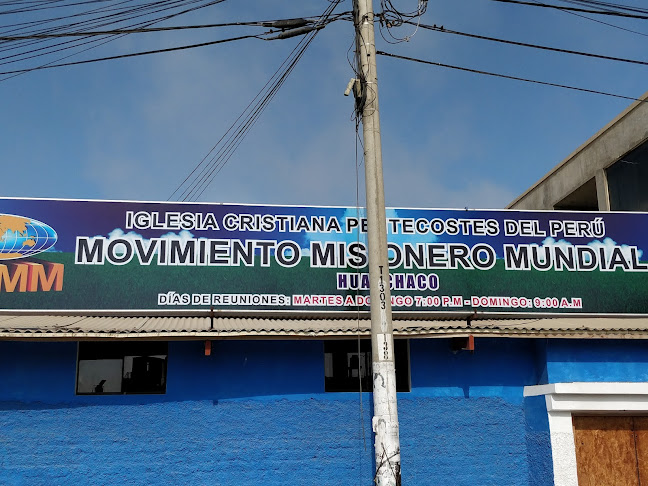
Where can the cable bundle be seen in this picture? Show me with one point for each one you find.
(195, 184)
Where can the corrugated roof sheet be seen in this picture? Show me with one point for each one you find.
(120, 327)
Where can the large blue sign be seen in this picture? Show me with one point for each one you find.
(75, 256)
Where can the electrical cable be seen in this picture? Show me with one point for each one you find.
(574, 9)
(390, 17)
(219, 154)
(248, 107)
(108, 20)
(42, 66)
(358, 162)
(263, 23)
(607, 5)
(144, 23)
(203, 174)
(357, 290)
(113, 10)
(217, 162)
(41, 7)
(363, 86)
(233, 144)
(504, 76)
(120, 15)
(51, 64)
(535, 46)
(23, 27)
(618, 27)
(280, 23)
(134, 54)
(101, 40)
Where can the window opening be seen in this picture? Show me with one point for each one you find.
(121, 368)
(344, 366)
(582, 199)
(627, 181)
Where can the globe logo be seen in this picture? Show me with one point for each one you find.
(21, 237)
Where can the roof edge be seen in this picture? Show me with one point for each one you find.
(634, 105)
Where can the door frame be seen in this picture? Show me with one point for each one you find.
(566, 399)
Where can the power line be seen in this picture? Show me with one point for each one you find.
(608, 5)
(203, 174)
(538, 3)
(122, 15)
(390, 17)
(222, 157)
(141, 27)
(119, 15)
(505, 76)
(101, 41)
(135, 54)
(258, 23)
(41, 7)
(524, 44)
(575, 9)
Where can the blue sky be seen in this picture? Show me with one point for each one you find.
(134, 128)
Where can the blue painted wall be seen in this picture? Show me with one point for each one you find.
(255, 412)
(597, 360)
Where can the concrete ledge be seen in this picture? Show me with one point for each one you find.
(623, 134)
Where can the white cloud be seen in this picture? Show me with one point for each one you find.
(560, 243)
(183, 236)
(608, 244)
(118, 234)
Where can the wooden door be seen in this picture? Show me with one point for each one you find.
(641, 441)
(611, 451)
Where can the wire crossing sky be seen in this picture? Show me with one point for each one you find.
(135, 125)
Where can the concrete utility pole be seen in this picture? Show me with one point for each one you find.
(385, 419)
